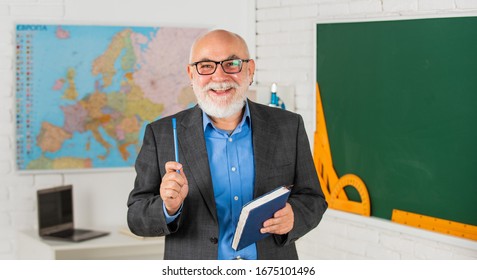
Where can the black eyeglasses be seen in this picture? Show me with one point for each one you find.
(230, 66)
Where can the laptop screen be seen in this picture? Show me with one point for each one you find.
(55, 209)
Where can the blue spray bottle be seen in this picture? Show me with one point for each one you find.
(275, 101)
(273, 97)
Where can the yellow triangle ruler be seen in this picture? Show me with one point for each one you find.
(333, 187)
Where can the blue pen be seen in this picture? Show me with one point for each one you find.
(176, 145)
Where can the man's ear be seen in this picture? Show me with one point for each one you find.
(251, 68)
(189, 72)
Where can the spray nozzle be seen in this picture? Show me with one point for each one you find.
(274, 88)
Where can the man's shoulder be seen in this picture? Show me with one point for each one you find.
(180, 116)
(272, 112)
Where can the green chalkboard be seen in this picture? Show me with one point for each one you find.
(400, 102)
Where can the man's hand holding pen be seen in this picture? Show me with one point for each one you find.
(174, 187)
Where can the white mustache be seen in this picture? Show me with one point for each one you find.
(220, 86)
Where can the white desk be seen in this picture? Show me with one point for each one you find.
(116, 245)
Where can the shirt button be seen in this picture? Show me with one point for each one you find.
(235, 198)
(214, 240)
(230, 139)
(234, 168)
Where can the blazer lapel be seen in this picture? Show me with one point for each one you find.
(192, 144)
(264, 143)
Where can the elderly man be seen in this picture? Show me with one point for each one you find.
(231, 151)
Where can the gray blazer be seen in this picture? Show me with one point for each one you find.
(282, 156)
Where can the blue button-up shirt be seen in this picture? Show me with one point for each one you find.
(232, 169)
(233, 175)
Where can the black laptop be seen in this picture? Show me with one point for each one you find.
(56, 217)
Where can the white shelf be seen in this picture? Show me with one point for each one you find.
(116, 245)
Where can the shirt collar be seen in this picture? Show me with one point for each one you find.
(245, 118)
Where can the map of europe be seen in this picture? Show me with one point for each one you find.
(84, 94)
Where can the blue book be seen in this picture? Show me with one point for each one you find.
(255, 213)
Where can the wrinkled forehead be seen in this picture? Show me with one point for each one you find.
(218, 46)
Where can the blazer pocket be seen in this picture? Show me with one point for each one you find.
(285, 171)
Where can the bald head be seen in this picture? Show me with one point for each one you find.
(214, 40)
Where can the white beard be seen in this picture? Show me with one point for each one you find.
(221, 106)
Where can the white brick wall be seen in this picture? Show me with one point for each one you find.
(6, 138)
(425, 5)
(365, 6)
(284, 42)
(400, 5)
(342, 235)
(466, 4)
(38, 11)
(334, 9)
